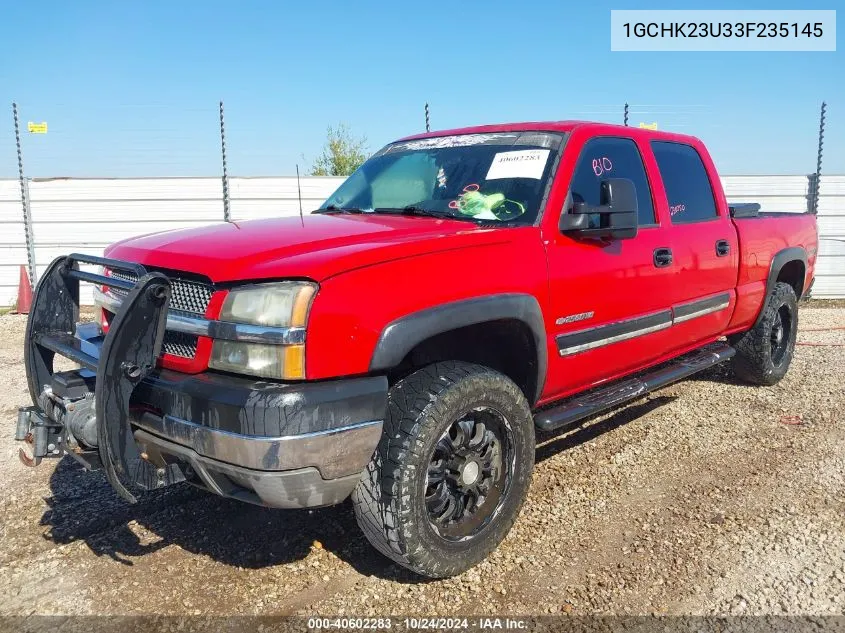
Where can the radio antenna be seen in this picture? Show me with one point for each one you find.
(299, 193)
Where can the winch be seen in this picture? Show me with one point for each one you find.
(69, 400)
(64, 421)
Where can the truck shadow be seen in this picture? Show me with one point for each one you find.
(553, 443)
(84, 507)
(722, 373)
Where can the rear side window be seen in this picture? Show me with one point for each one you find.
(687, 186)
(604, 158)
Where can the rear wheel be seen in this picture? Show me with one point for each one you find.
(451, 471)
(764, 353)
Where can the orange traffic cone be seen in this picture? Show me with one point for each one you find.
(24, 293)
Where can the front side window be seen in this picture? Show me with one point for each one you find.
(685, 180)
(603, 158)
(499, 177)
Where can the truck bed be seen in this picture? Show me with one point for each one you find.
(761, 237)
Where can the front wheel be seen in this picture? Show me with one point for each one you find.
(451, 471)
(764, 353)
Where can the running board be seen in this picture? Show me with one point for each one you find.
(597, 400)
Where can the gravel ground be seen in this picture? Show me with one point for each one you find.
(704, 498)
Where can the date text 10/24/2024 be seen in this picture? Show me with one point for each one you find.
(418, 624)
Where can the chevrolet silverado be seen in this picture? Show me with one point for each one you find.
(401, 344)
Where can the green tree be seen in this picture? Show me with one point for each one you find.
(342, 154)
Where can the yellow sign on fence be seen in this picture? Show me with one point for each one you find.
(649, 126)
(37, 128)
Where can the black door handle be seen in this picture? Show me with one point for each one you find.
(662, 257)
(723, 247)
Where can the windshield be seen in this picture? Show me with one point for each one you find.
(498, 177)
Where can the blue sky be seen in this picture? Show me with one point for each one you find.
(131, 88)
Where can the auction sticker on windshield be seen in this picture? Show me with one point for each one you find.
(526, 163)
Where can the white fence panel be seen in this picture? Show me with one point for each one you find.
(784, 194)
(87, 214)
(12, 242)
(126, 211)
(832, 186)
(832, 226)
(254, 198)
(830, 269)
(780, 204)
(151, 189)
(831, 205)
(759, 186)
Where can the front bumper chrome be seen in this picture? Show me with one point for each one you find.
(296, 471)
(300, 488)
(334, 452)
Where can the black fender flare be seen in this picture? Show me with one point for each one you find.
(403, 334)
(781, 259)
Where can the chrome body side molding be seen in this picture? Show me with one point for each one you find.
(626, 329)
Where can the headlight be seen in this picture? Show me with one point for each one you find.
(270, 361)
(284, 304)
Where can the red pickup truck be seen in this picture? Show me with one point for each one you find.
(401, 344)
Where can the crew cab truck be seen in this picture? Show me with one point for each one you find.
(401, 344)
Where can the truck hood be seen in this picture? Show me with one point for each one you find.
(314, 247)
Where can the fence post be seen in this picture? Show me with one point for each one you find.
(226, 215)
(817, 183)
(427, 125)
(27, 219)
(30, 236)
(625, 116)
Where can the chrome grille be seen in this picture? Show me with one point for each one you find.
(188, 295)
(180, 344)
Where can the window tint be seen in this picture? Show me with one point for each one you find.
(604, 158)
(687, 186)
(411, 177)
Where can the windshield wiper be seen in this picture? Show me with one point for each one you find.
(423, 212)
(333, 208)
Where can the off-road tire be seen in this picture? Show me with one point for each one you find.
(389, 500)
(754, 361)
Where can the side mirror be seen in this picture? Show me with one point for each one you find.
(615, 218)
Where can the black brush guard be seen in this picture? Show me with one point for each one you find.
(128, 354)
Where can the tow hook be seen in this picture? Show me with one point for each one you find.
(41, 435)
(26, 459)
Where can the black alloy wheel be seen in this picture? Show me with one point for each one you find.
(469, 473)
